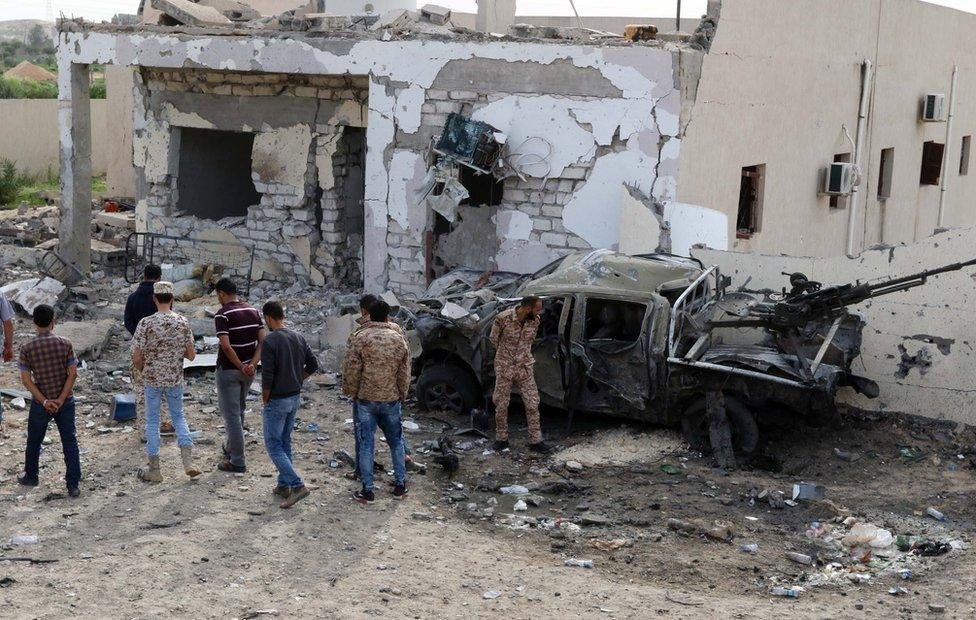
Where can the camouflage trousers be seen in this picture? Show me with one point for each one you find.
(524, 379)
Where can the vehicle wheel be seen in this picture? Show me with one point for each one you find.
(446, 387)
(745, 431)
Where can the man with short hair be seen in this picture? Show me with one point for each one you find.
(161, 342)
(7, 317)
(138, 306)
(376, 373)
(241, 333)
(48, 369)
(364, 303)
(512, 335)
(286, 361)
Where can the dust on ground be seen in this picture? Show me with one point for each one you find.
(219, 546)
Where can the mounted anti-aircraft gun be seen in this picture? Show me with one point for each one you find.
(809, 301)
(811, 314)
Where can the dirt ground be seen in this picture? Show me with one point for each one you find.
(219, 546)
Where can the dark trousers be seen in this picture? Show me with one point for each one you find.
(37, 422)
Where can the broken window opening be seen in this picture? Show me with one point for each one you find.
(885, 173)
(214, 177)
(752, 184)
(967, 143)
(484, 190)
(619, 321)
(840, 202)
(932, 154)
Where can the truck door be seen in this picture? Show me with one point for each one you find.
(551, 350)
(609, 349)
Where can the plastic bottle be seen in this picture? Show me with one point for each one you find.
(579, 563)
(787, 592)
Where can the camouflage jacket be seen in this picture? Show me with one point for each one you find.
(362, 322)
(377, 364)
(513, 339)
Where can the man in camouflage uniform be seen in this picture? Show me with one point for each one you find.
(376, 374)
(512, 335)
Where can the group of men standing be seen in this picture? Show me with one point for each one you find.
(162, 339)
(375, 375)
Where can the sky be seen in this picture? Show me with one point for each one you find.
(96, 10)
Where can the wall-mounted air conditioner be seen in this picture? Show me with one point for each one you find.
(839, 179)
(933, 108)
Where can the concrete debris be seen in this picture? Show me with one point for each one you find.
(640, 32)
(188, 290)
(184, 12)
(453, 311)
(435, 14)
(89, 338)
(232, 9)
(26, 295)
(720, 531)
(123, 220)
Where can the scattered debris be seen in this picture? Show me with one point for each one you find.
(578, 563)
(720, 531)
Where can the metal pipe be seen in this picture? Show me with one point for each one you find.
(677, 19)
(944, 193)
(742, 372)
(862, 116)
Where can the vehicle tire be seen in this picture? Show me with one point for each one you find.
(448, 387)
(745, 431)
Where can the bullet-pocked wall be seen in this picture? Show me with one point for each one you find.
(584, 125)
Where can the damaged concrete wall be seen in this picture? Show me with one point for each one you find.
(918, 345)
(581, 122)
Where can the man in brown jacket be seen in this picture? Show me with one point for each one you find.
(512, 335)
(376, 374)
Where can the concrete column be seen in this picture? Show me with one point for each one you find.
(380, 131)
(495, 16)
(74, 120)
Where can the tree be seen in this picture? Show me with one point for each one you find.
(37, 39)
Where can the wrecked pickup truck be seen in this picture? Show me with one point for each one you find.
(648, 338)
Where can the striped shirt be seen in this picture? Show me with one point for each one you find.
(241, 324)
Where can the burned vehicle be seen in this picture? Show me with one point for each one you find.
(652, 338)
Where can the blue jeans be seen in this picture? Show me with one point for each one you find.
(356, 433)
(279, 419)
(174, 402)
(37, 423)
(387, 417)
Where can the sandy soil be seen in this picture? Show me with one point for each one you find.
(219, 546)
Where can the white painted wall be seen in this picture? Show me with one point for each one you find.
(778, 91)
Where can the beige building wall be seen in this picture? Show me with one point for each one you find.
(917, 343)
(783, 99)
(29, 134)
(121, 175)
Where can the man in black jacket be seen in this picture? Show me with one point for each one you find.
(138, 306)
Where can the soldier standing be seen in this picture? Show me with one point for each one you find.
(512, 335)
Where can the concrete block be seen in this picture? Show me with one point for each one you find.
(435, 14)
(125, 220)
(87, 338)
(338, 328)
(191, 14)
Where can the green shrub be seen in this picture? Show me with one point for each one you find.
(27, 89)
(10, 182)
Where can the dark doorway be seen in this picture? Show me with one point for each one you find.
(214, 178)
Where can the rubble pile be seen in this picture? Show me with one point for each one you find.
(430, 20)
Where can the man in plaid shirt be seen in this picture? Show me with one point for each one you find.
(48, 368)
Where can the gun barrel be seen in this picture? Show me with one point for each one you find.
(921, 277)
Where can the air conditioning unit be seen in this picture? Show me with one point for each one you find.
(933, 108)
(839, 179)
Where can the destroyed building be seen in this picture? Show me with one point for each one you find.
(313, 146)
